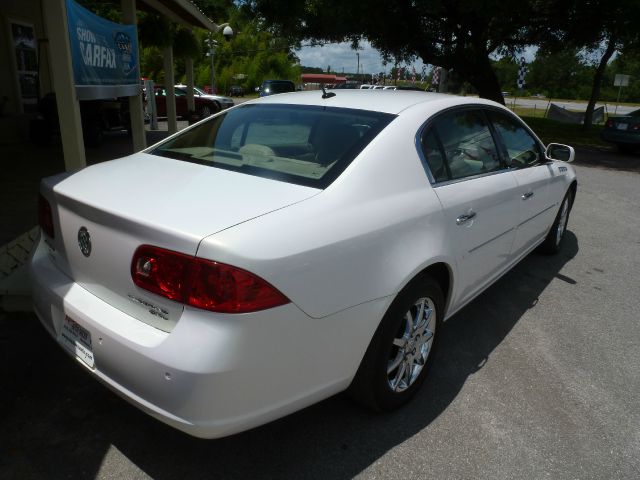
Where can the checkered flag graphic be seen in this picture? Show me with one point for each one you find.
(423, 74)
(435, 80)
(522, 72)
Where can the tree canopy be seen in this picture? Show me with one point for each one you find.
(461, 35)
(465, 36)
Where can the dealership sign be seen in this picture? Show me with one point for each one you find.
(104, 55)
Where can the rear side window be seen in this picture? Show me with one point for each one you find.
(467, 142)
(434, 157)
(522, 149)
(306, 145)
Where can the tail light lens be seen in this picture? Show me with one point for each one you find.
(635, 127)
(202, 283)
(609, 124)
(45, 216)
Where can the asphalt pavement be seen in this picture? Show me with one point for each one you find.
(537, 378)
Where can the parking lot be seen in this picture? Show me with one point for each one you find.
(537, 378)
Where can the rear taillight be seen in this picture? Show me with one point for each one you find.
(609, 124)
(635, 127)
(202, 283)
(45, 217)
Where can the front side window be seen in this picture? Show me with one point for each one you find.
(522, 149)
(468, 144)
(307, 145)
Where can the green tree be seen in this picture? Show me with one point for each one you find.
(562, 74)
(601, 28)
(461, 35)
(507, 72)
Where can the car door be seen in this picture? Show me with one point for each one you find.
(181, 102)
(534, 174)
(477, 192)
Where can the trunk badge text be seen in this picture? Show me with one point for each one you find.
(84, 241)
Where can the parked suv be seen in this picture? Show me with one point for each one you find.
(271, 87)
(236, 91)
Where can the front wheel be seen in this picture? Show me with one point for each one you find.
(399, 356)
(553, 242)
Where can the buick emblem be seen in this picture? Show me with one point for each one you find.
(84, 241)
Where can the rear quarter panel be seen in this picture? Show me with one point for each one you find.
(363, 238)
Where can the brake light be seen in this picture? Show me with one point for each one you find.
(202, 283)
(635, 127)
(609, 124)
(45, 216)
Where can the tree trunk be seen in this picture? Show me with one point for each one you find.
(597, 80)
(480, 74)
(477, 71)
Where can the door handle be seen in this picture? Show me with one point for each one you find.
(462, 219)
(526, 196)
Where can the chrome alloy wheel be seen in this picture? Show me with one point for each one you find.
(412, 345)
(562, 221)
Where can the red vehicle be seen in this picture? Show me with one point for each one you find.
(205, 105)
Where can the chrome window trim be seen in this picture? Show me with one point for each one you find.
(428, 123)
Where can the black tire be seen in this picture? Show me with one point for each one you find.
(372, 385)
(205, 111)
(553, 242)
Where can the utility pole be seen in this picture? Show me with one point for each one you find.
(358, 67)
(212, 49)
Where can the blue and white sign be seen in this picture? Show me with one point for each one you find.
(104, 55)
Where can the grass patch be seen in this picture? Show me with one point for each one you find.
(570, 134)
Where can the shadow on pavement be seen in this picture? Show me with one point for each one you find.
(60, 423)
(610, 159)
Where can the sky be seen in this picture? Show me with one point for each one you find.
(341, 56)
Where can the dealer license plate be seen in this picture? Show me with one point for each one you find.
(77, 340)
(621, 126)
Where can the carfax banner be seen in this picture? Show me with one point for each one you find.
(104, 55)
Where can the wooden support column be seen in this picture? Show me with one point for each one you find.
(169, 83)
(55, 17)
(135, 103)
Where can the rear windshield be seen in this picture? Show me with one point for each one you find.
(306, 145)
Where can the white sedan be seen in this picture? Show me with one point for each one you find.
(291, 248)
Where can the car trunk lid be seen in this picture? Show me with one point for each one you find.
(105, 212)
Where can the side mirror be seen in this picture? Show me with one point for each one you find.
(558, 151)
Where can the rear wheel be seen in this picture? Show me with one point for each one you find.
(205, 111)
(401, 351)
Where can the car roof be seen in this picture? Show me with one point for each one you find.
(386, 101)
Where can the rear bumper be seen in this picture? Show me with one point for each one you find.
(213, 375)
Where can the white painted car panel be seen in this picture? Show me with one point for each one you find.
(481, 243)
(340, 255)
(171, 200)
